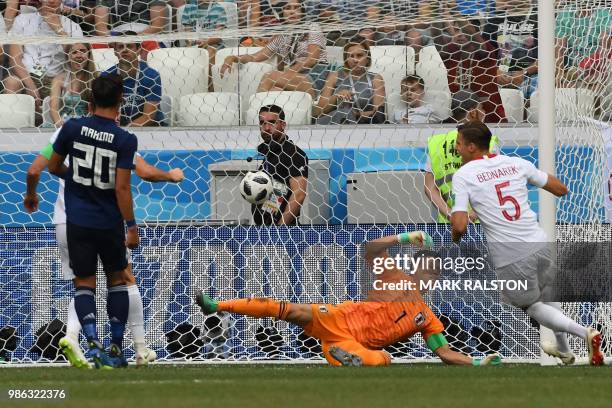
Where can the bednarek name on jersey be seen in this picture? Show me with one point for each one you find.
(96, 148)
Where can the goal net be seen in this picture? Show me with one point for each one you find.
(364, 87)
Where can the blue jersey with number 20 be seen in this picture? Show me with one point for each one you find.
(97, 147)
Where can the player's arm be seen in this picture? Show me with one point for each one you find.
(30, 201)
(452, 357)
(153, 174)
(378, 247)
(57, 166)
(433, 193)
(555, 186)
(123, 189)
(459, 217)
(298, 195)
(544, 180)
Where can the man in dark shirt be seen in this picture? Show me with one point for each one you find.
(142, 16)
(287, 164)
(98, 200)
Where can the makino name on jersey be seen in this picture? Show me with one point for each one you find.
(96, 147)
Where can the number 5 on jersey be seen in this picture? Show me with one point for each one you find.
(503, 199)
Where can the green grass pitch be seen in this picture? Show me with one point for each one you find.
(317, 386)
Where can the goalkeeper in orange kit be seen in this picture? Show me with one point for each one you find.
(354, 333)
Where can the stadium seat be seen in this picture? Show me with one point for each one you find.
(209, 109)
(513, 102)
(431, 68)
(393, 62)
(570, 104)
(104, 58)
(441, 102)
(183, 70)
(243, 81)
(46, 112)
(16, 111)
(335, 55)
(166, 107)
(297, 106)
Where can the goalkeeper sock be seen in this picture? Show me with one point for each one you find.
(85, 306)
(136, 318)
(256, 307)
(562, 343)
(117, 305)
(73, 326)
(555, 320)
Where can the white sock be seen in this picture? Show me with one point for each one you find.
(136, 318)
(73, 326)
(562, 343)
(555, 320)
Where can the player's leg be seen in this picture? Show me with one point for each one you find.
(351, 353)
(84, 260)
(548, 316)
(144, 355)
(113, 255)
(70, 343)
(300, 314)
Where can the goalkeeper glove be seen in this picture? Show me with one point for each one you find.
(491, 359)
(418, 238)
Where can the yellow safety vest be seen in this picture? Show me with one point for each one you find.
(445, 162)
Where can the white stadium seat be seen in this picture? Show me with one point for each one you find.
(513, 102)
(297, 106)
(243, 80)
(441, 102)
(209, 109)
(16, 111)
(335, 55)
(104, 58)
(183, 71)
(570, 104)
(431, 68)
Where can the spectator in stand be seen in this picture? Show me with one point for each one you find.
(70, 90)
(471, 65)
(415, 110)
(303, 58)
(80, 11)
(353, 94)
(578, 32)
(142, 89)
(140, 16)
(206, 15)
(515, 39)
(414, 38)
(595, 73)
(33, 66)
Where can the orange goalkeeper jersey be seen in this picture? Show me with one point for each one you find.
(379, 324)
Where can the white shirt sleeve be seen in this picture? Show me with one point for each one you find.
(534, 175)
(428, 165)
(53, 137)
(460, 193)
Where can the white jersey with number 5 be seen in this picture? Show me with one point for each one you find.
(496, 188)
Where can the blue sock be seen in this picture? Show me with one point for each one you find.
(85, 306)
(117, 305)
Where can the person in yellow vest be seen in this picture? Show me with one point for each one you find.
(443, 160)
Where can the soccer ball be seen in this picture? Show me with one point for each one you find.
(256, 187)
